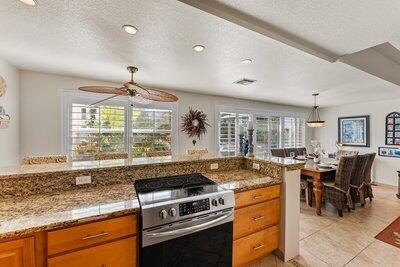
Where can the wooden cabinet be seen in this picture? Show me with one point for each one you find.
(17, 253)
(254, 246)
(255, 227)
(120, 253)
(256, 217)
(259, 195)
(88, 234)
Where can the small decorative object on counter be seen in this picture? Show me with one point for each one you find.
(194, 124)
(4, 118)
(250, 131)
(3, 86)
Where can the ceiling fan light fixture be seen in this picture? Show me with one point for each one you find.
(130, 29)
(314, 121)
(247, 61)
(29, 2)
(198, 48)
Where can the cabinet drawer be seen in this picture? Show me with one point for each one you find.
(89, 234)
(254, 246)
(121, 253)
(256, 217)
(250, 197)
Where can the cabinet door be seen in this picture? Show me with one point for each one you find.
(17, 253)
(120, 253)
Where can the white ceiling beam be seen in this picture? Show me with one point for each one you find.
(262, 27)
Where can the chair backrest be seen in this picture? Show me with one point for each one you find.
(301, 151)
(107, 156)
(289, 152)
(345, 153)
(44, 160)
(344, 172)
(358, 175)
(368, 168)
(278, 152)
(197, 151)
(158, 153)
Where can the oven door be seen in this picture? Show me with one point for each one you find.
(204, 241)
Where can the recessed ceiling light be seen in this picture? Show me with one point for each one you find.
(247, 61)
(130, 29)
(29, 2)
(198, 48)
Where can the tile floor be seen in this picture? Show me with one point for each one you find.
(329, 240)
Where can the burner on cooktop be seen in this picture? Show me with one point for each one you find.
(172, 182)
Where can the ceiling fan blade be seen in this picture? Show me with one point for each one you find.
(104, 90)
(156, 95)
(105, 99)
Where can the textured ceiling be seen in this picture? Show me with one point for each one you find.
(84, 38)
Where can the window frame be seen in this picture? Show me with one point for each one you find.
(253, 114)
(68, 97)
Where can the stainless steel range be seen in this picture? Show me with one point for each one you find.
(185, 220)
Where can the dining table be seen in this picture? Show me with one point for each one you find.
(319, 175)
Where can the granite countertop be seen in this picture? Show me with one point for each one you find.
(26, 215)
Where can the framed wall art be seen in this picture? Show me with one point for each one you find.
(392, 136)
(354, 131)
(393, 152)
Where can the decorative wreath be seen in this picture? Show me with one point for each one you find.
(194, 123)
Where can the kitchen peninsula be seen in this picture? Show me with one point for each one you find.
(54, 222)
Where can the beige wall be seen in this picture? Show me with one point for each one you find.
(385, 168)
(41, 112)
(9, 138)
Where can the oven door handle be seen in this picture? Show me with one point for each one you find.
(188, 229)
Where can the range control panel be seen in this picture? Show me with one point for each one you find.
(194, 206)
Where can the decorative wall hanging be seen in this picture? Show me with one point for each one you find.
(3, 86)
(353, 131)
(389, 152)
(4, 118)
(392, 136)
(194, 124)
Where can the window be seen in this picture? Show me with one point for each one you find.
(151, 132)
(96, 129)
(141, 131)
(270, 131)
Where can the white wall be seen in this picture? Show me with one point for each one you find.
(385, 168)
(41, 112)
(9, 138)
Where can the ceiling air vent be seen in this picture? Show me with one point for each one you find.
(245, 81)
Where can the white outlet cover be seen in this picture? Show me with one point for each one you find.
(256, 166)
(83, 180)
(214, 166)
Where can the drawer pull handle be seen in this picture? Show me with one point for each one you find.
(258, 218)
(258, 246)
(258, 196)
(103, 233)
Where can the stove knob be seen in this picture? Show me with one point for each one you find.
(221, 201)
(214, 202)
(163, 214)
(172, 212)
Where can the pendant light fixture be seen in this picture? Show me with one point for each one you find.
(314, 120)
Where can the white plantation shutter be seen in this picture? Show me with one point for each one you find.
(151, 132)
(95, 129)
(227, 134)
(266, 134)
(289, 132)
(300, 132)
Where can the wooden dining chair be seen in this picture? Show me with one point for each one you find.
(44, 160)
(357, 180)
(290, 152)
(301, 151)
(338, 192)
(278, 152)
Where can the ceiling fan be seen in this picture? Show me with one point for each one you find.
(136, 93)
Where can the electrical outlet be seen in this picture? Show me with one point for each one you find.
(214, 166)
(256, 166)
(83, 180)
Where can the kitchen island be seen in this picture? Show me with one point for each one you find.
(38, 200)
